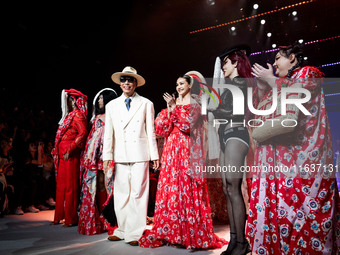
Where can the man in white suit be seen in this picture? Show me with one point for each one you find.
(130, 141)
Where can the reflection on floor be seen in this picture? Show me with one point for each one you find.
(31, 234)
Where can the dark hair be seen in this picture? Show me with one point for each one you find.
(34, 141)
(195, 88)
(295, 49)
(71, 97)
(188, 78)
(108, 95)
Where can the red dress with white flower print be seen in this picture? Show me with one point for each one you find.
(296, 214)
(90, 219)
(182, 212)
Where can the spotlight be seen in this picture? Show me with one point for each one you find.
(263, 21)
(294, 13)
(255, 6)
(232, 31)
(305, 58)
(273, 45)
(211, 2)
(269, 34)
(301, 41)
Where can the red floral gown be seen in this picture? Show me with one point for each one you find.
(92, 202)
(182, 211)
(296, 215)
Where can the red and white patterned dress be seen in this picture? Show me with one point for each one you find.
(90, 219)
(296, 215)
(182, 211)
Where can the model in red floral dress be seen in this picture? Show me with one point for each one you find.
(182, 212)
(294, 212)
(92, 200)
(93, 193)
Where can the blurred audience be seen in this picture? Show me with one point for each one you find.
(27, 180)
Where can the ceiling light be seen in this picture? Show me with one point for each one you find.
(331, 64)
(294, 13)
(269, 34)
(255, 6)
(211, 2)
(306, 43)
(284, 8)
(232, 28)
(263, 21)
(274, 45)
(301, 41)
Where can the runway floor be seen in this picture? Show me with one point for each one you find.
(31, 234)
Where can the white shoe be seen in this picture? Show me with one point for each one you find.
(19, 211)
(32, 209)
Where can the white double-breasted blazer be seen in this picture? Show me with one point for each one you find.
(130, 135)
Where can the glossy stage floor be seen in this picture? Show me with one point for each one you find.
(31, 234)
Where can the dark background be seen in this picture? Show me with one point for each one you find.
(56, 45)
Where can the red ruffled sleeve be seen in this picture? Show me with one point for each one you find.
(311, 78)
(163, 124)
(183, 117)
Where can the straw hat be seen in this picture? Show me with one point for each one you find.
(128, 71)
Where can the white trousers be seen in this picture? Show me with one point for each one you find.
(131, 194)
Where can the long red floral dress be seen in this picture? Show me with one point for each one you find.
(296, 214)
(92, 202)
(182, 211)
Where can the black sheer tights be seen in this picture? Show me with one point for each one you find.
(234, 156)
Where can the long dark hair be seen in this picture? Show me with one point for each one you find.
(295, 49)
(108, 95)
